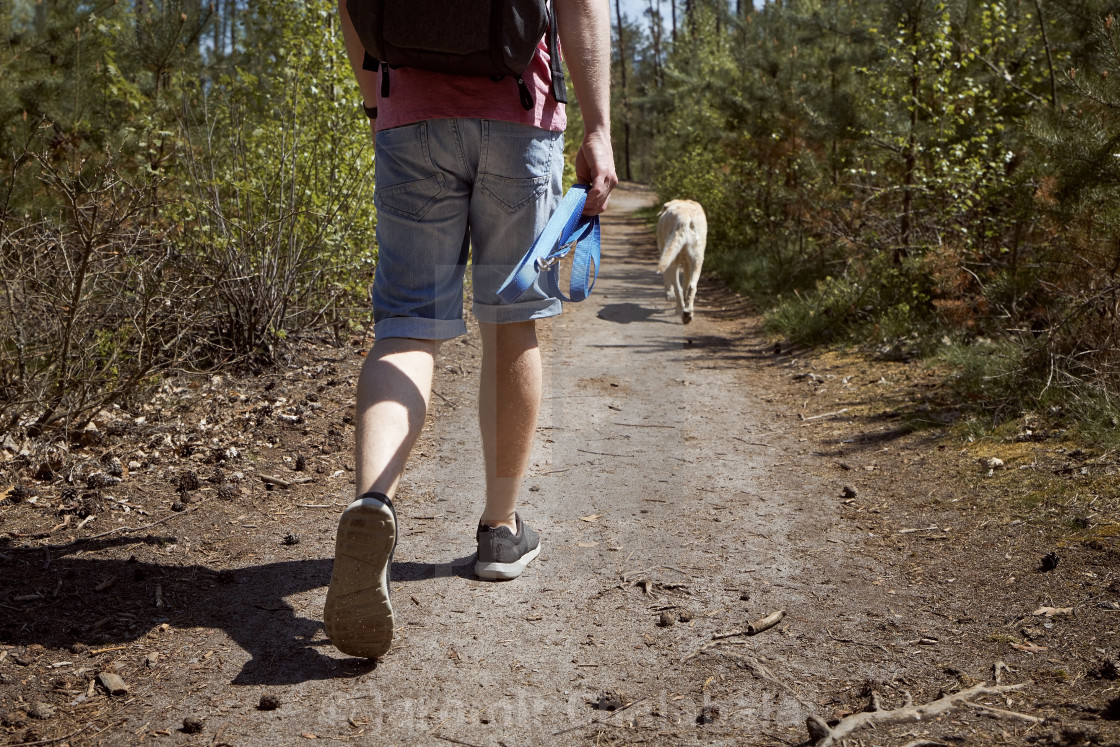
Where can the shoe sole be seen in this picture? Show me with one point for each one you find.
(505, 571)
(358, 615)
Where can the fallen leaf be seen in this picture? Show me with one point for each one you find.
(587, 544)
(1029, 647)
(591, 517)
(1051, 611)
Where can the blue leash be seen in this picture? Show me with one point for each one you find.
(566, 230)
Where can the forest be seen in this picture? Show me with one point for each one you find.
(919, 178)
(189, 186)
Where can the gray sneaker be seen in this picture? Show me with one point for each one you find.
(358, 616)
(503, 555)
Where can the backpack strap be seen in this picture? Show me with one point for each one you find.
(566, 230)
(556, 65)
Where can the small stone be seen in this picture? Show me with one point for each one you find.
(708, 714)
(848, 492)
(113, 683)
(41, 710)
(9, 444)
(291, 539)
(744, 596)
(685, 616)
(226, 491)
(301, 463)
(995, 463)
(269, 703)
(1105, 669)
(114, 467)
(178, 506)
(609, 701)
(152, 659)
(666, 619)
(1049, 562)
(188, 481)
(192, 725)
(90, 504)
(88, 436)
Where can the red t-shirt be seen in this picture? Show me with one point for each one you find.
(416, 95)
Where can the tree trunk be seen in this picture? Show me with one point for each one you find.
(231, 10)
(625, 98)
(910, 163)
(1049, 57)
(5, 21)
(142, 20)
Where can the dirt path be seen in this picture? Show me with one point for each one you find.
(680, 495)
(656, 463)
(659, 461)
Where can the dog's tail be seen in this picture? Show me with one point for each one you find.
(673, 246)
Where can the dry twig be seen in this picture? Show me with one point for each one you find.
(57, 739)
(114, 531)
(757, 668)
(823, 735)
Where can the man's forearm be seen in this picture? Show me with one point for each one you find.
(585, 38)
(367, 79)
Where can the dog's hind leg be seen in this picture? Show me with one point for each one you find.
(685, 305)
(675, 292)
(670, 283)
(692, 268)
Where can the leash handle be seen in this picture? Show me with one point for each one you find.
(567, 231)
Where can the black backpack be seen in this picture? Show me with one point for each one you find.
(490, 38)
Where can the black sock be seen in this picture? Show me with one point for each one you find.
(378, 497)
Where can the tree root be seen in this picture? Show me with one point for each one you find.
(823, 735)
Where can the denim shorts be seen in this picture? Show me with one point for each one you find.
(449, 188)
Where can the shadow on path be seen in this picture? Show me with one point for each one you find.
(285, 642)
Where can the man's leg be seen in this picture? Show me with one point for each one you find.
(509, 402)
(393, 393)
(394, 390)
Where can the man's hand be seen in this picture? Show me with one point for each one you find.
(585, 37)
(595, 168)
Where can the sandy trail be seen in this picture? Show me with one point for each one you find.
(676, 501)
(658, 460)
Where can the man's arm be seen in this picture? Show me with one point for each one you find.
(585, 38)
(367, 79)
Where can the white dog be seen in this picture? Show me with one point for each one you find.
(682, 231)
